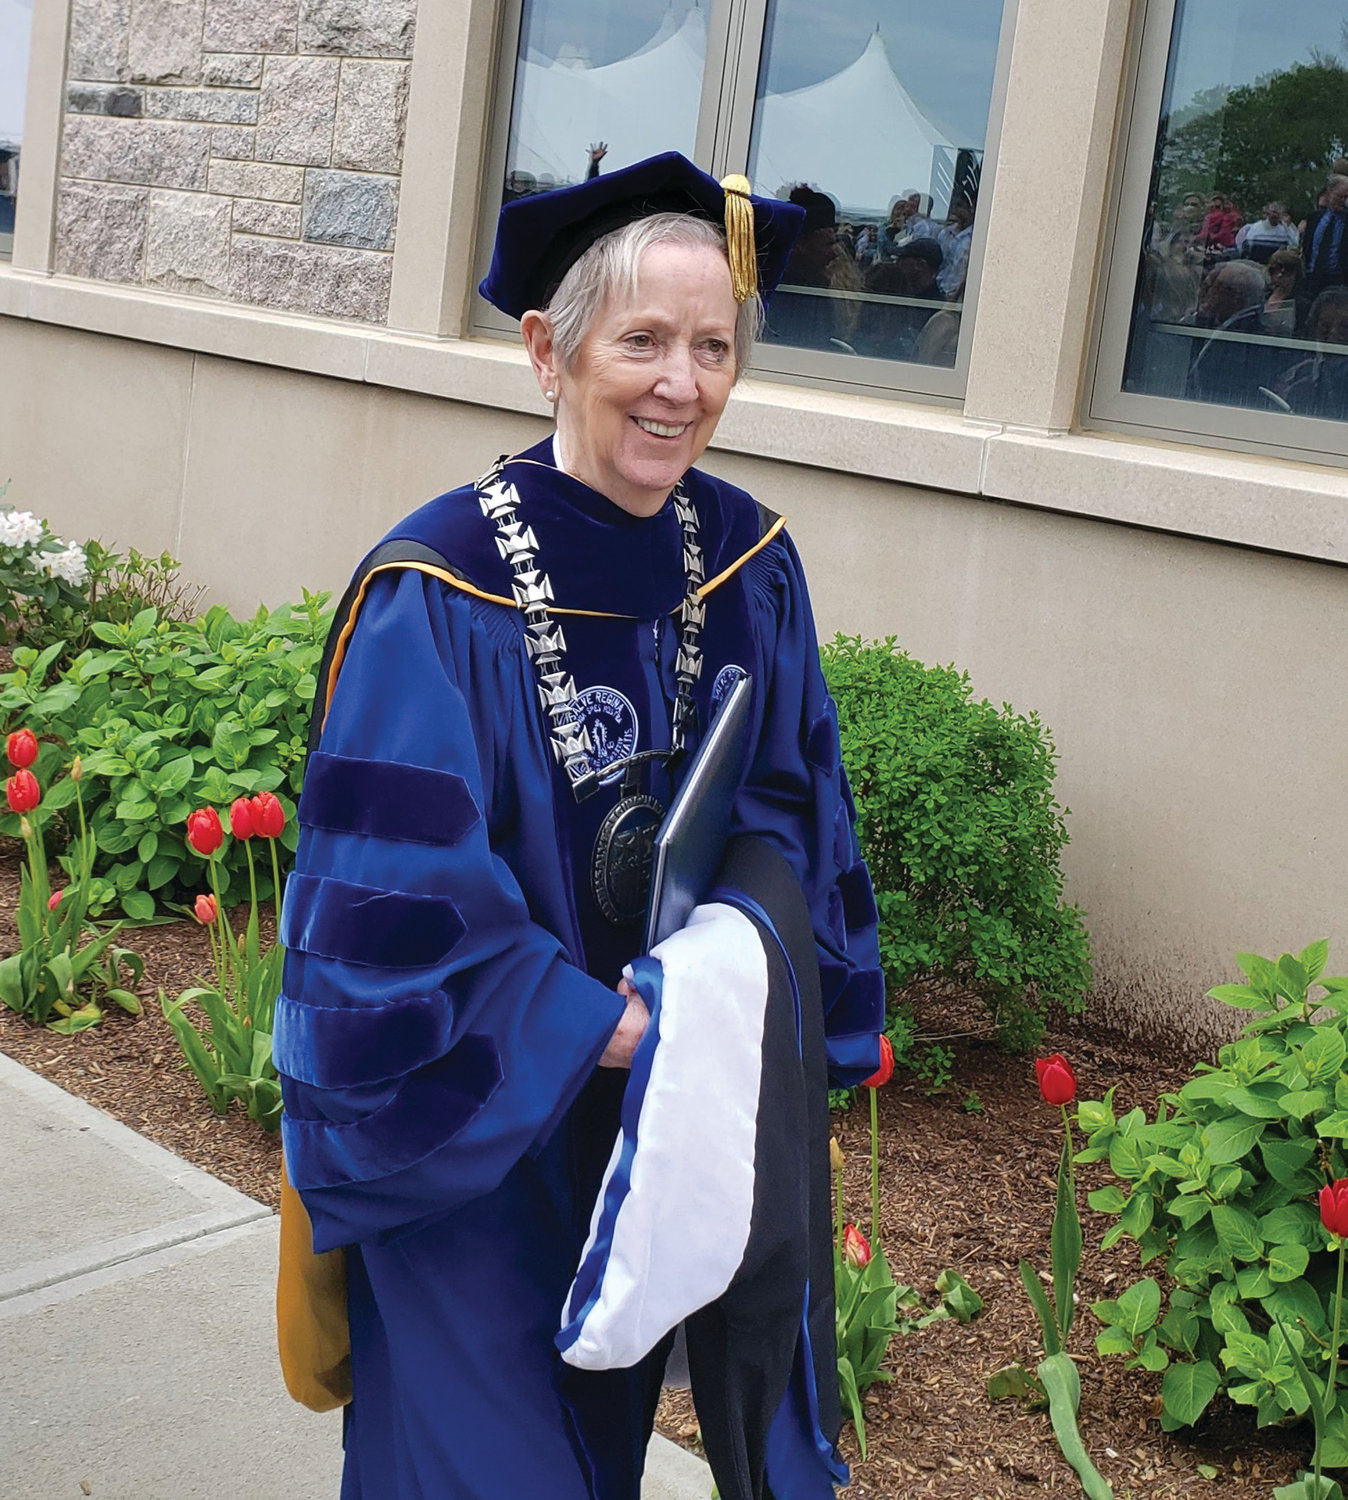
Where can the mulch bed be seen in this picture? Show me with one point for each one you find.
(970, 1188)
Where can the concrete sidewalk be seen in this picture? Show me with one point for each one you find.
(136, 1324)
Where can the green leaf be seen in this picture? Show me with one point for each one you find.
(1237, 1232)
(1334, 1126)
(957, 1295)
(138, 905)
(1187, 1389)
(1139, 1307)
(1066, 1243)
(1228, 1140)
(1287, 1160)
(1063, 1385)
(1313, 958)
(1014, 1382)
(1241, 996)
(1323, 1056)
(1048, 1322)
(1107, 1200)
(1302, 1102)
(147, 847)
(1257, 1104)
(1287, 1262)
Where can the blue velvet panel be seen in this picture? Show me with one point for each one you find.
(342, 1046)
(360, 924)
(386, 799)
(858, 897)
(430, 1108)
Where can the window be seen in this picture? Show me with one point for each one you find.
(873, 114)
(16, 18)
(1227, 313)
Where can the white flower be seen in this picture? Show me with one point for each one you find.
(69, 566)
(19, 528)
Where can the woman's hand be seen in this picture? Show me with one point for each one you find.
(630, 1029)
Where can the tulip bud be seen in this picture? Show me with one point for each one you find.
(1057, 1081)
(54, 900)
(856, 1248)
(204, 832)
(835, 1154)
(21, 747)
(1334, 1207)
(77, 770)
(269, 817)
(241, 818)
(885, 1071)
(205, 910)
(22, 792)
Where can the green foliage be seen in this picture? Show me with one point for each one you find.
(1220, 1188)
(1266, 141)
(64, 967)
(169, 716)
(871, 1309)
(231, 1058)
(963, 836)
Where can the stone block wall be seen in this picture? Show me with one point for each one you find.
(240, 149)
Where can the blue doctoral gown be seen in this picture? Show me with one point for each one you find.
(450, 979)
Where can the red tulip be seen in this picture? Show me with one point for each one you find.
(1057, 1081)
(22, 792)
(1334, 1207)
(204, 832)
(241, 818)
(54, 900)
(21, 747)
(885, 1071)
(269, 817)
(856, 1248)
(205, 910)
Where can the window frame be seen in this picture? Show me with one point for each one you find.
(735, 44)
(1106, 406)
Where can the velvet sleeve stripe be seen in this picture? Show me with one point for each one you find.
(429, 1109)
(359, 924)
(345, 1046)
(386, 799)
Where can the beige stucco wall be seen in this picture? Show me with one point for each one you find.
(1191, 686)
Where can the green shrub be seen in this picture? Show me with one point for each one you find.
(169, 716)
(963, 836)
(1221, 1185)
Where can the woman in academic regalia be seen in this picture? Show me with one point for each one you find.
(517, 679)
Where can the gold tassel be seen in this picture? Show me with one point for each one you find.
(739, 234)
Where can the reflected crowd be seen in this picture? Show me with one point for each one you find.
(889, 288)
(859, 284)
(1246, 308)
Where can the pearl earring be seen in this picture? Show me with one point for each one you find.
(549, 395)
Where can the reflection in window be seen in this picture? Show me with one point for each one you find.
(16, 18)
(1242, 290)
(875, 123)
(601, 84)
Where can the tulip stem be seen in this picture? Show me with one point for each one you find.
(838, 1210)
(875, 1167)
(275, 886)
(1331, 1379)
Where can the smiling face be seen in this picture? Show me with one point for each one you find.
(641, 399)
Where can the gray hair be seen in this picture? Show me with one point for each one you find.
(1248, 276)
(611, 267)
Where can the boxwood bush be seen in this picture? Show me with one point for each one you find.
(959, 824)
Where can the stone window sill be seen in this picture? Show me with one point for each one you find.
(1266, 503)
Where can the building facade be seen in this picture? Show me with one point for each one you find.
(1032, 400)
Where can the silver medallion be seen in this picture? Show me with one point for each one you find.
(620, 871)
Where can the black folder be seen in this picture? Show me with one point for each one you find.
(692, 838)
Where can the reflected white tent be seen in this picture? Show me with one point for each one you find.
(642, 104)
(16, 19)
(857, 136)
